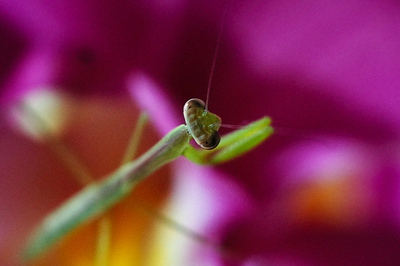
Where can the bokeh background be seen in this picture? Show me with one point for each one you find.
(324, 190)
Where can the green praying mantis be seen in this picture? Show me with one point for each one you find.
(98, 197)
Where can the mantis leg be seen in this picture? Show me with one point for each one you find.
(104, 225)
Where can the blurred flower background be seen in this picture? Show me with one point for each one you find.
(325, 190)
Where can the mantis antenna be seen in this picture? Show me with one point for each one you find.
(216, 54)
(202, 125)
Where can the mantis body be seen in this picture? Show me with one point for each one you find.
(96, 198)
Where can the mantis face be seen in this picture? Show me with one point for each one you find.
(202, 125)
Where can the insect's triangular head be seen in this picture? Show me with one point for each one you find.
(202, 124)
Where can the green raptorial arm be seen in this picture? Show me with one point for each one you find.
(234, 144)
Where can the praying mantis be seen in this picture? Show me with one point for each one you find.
(98, 197)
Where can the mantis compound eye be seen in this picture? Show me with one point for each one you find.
(212, 142)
